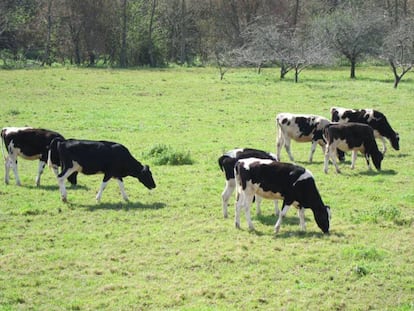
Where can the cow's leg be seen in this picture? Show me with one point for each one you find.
(368, 163)
(42, 165)
(313, 148)
(287, 147)
(13, 164)
(102, 188)
(277, 211)
(61, 181)
(384, 145)
(244, 201)
(279, 144)
(248, 199)
(283, 212)
(7, 170)
(225, 196)
(122, 188)
(301, 214)
(354, 157)
(258, 200)
(329, 155)
(239, 205)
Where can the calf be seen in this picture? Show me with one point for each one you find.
(92, 157)
(351, 136)
(270, 179)
(30, 144)
(374, 118)
(301, 128)
(226, 164)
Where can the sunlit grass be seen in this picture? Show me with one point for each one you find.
(170, 248)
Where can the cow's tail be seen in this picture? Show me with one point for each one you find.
(220, 162)
(3, 143)
(53, 151)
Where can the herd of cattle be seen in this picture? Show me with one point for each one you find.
(256, 174)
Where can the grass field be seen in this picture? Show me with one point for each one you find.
(171, 248)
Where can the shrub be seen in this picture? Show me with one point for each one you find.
(165, 155)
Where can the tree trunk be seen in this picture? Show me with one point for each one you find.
(46, 58)
(151, 45)
(296, 74)
(183, 35)
(353, 64)
(122, 56)
(296, 13)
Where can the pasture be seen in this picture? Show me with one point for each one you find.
(171, 248)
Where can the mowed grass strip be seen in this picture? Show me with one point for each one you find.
(171, 248)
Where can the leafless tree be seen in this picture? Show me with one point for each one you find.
(398, 49)
(354, 33)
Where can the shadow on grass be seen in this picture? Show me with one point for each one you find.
(375, 172)
(56, 187)
(270, 220)
(122, 206)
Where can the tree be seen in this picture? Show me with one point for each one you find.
(290, 47)
(122, 56)
(398, 49)
(354, 33)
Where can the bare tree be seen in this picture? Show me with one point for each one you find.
(398, 49)
(353, 33)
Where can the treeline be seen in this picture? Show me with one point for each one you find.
(290, 33)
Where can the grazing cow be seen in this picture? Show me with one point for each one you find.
(30, 144)
(373, 118)
(351, 136)
(276, 180)
(91, 157)
(226, 164)
(301, 128)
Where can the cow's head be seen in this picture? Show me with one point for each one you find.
(323, 218)
(377, 158)
(145, 177)
(395, 141)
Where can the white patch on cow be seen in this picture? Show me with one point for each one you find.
(8, 130)
(249, 161)
(268, 194)
(233, 153)
(306, 175)
(274, 156)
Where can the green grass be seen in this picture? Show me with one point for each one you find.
(171, 248)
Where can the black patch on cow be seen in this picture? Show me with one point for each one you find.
(226, 162)
(305, 126)
(31, 142)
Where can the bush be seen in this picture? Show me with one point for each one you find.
(165, 155)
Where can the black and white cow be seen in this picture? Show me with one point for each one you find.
(351, 136)
(374, 118)
(270, 179)
(92, 157)
(30, 144)
(301, 128)
(226, 163)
